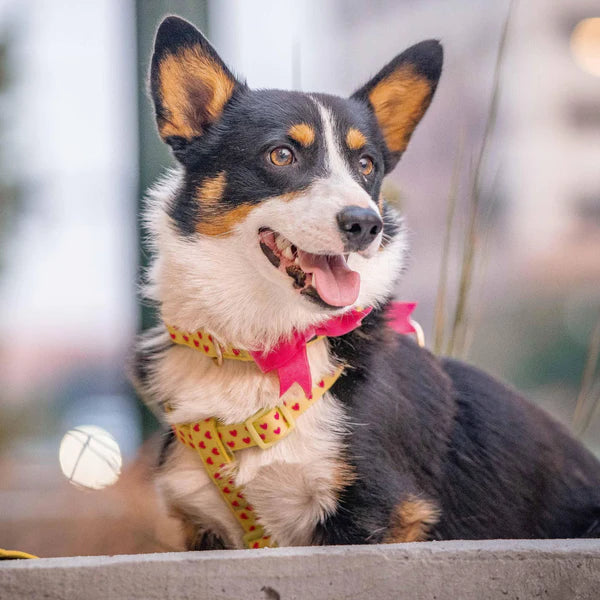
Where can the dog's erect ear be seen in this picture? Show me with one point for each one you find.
(190, 84)
(400, 94)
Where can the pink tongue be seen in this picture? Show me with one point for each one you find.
(336, 283)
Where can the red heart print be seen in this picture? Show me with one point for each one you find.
(296, 406)
(321, 383)
(235, 503)
(277, 431)
(208, 436)
(196, 427)
(263, 425)
(202, 445)
(209, 460)
(226, 490)
(220, 436)
(263, 436)
(217, 475)
(255, 545)
(196, 343)
(233, 433)
(205, 348)
(231, 444)
(210, 338)
(276, 416)
(249, 507)
(186, 338)
(199, 335)
(215, 452)
(252, 528)
(236, 352)
(240, 495)
(190, 436)
(172, 336)
(192, 445)
(244, 516)
(246, 440)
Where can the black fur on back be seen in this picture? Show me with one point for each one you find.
(495, 465)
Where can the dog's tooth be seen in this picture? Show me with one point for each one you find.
(282, 243)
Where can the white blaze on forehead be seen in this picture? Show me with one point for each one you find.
(339, 171)
(337, 166)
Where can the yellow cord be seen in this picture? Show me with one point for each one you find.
(6, 554)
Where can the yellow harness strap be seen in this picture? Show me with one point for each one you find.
(216, 442)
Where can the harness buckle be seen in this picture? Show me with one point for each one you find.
(218, 359)
(288, 419)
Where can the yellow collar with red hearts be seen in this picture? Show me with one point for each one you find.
(204, 342)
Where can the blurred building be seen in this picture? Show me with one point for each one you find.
(552, 153)
(67, 289)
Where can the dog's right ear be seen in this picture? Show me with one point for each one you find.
(189, 83)
(400, 94)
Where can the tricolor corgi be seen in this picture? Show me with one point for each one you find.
(298, 411)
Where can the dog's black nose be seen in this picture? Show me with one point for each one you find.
(360, 226)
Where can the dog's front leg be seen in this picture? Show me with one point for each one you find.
(293, 498)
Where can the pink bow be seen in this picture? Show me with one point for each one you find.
(398, 316)
(289, 357)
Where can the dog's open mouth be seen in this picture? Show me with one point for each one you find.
(323, 277)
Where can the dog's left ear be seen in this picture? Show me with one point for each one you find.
(400, 94)
(189, 83)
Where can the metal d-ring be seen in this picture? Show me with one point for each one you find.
(419, 333)
(219, 357)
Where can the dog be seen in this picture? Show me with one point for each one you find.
(275, 260)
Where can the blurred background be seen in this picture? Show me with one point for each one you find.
(500, 187)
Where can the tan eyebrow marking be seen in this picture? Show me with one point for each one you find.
(303, 133)
(355, 139)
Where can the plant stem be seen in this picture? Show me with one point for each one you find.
(457, 339)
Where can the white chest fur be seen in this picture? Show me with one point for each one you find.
(292, 485)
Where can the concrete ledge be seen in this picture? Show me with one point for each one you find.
(464, 570)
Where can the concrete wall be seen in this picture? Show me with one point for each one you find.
(482, 570)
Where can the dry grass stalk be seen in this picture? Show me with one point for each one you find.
(588, 399)
(456, 343)
(440, 301)
(479, 275)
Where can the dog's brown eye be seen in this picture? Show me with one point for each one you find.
(282, 156)
(366, 165)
